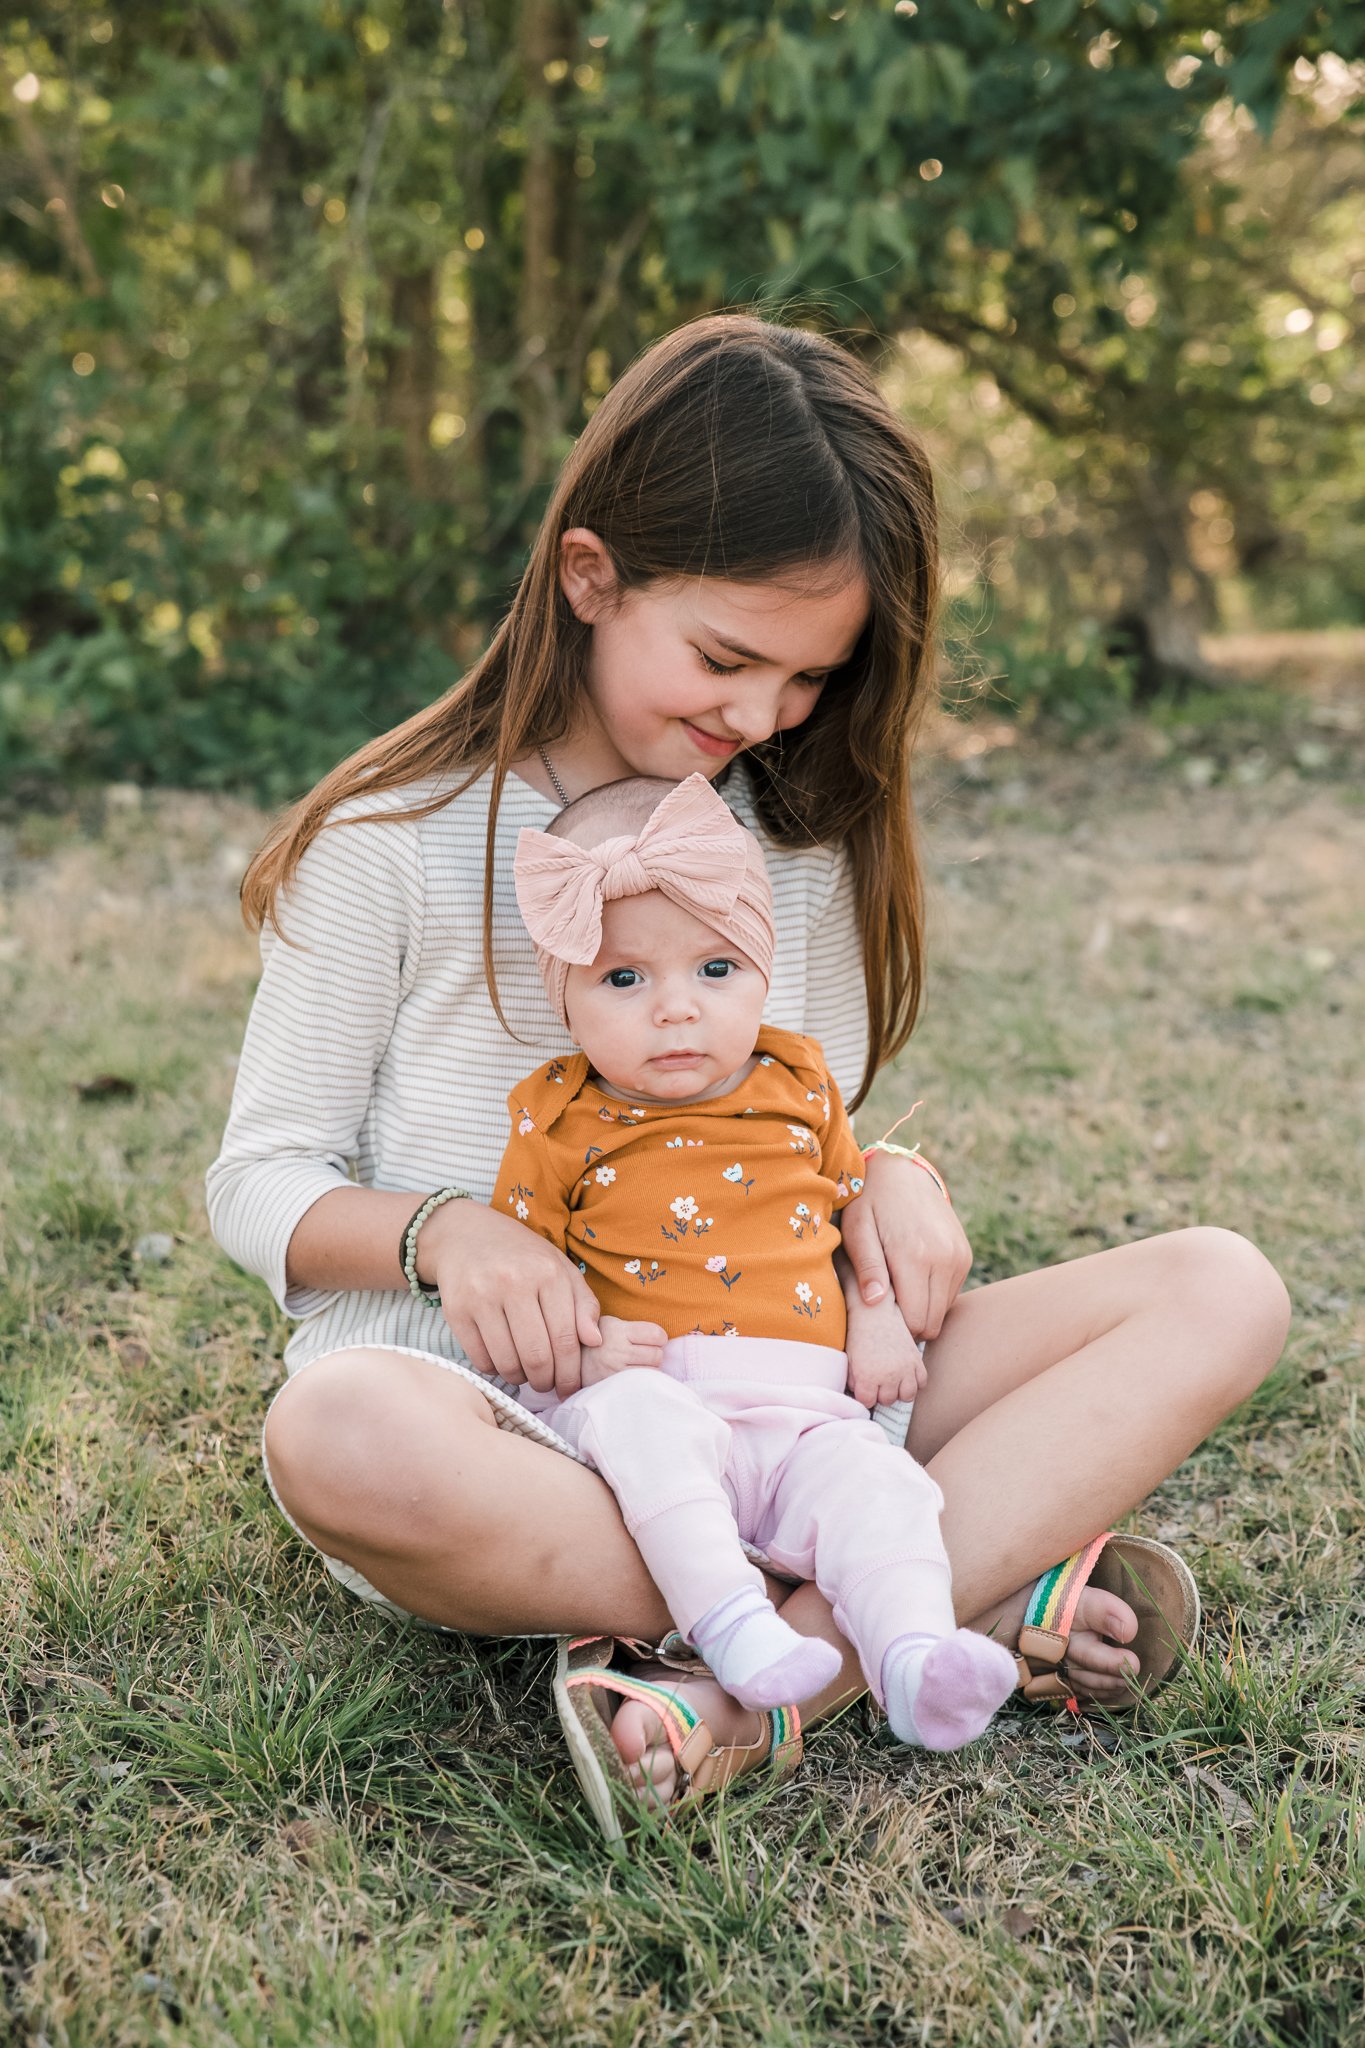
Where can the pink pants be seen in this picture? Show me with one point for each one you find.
(756, 1437)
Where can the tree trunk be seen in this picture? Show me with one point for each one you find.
(550, 294)
(410, 374)
(1171, 602)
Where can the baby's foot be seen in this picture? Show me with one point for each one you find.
(942, 1692)
(639, 1735)
(759, 1658)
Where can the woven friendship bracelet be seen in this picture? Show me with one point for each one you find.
(407, 1243)
(916, 1158)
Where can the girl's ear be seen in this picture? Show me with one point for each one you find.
(586, 574)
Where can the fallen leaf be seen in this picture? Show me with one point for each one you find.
(1235, 1808)
(132, 1352)
(1017, 1921)
(105, 1088)
(300, 1837)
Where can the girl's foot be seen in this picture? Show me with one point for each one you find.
(1096, 1662)
(638, 1732)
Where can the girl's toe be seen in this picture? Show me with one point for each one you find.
(1104, 1614)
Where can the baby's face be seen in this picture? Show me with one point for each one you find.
(668, 1011)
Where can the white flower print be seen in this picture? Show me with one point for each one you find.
(605, 1175)
(688, 1222)
(802, 1209)
(716, 1263)
(735, 1172)
(803, 1290)
(525, 1126)
(522, 1212)
(766, 1059)
(807, 1303)
(803, 1140)
(632, 1265)
(673, 1144)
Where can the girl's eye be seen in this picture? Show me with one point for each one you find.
(718, 970)
(718, 668)
(622, 977)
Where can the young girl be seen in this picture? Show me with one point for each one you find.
(736, 573)
(651, 914)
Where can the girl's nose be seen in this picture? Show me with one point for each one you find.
(753, 717)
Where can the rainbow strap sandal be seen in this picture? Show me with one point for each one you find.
(584, 1673)
(1156, 1583)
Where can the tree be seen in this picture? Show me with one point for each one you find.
(303, 305)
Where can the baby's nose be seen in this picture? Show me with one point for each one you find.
(676, 1003)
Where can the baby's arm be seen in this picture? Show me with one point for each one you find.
(884, 1361)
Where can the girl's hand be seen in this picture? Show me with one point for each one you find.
(516, 1306)
(902, 1238)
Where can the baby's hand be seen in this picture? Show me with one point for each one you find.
(623, 1345)
(884, 1361)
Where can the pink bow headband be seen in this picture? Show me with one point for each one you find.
(692, 849)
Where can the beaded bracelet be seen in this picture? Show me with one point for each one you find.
(916, 1158)
(407, 1243)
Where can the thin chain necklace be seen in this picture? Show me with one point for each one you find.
(548, 765)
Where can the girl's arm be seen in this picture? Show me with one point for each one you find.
(321, 1022)
(280, 1197)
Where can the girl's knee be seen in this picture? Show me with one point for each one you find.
(345, 1430)
(1225, 1275)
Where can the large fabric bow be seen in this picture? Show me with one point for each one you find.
(692, 849)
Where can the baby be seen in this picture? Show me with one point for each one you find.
(692, 1162)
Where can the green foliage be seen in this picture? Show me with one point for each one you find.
(301, 306)
(1081, 678)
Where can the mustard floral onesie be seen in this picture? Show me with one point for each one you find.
(708, 1218)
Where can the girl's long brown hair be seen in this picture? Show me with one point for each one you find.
(738, 449)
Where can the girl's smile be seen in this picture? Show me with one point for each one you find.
(716, 748)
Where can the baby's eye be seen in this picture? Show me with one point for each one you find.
(718, 668)
(622, 977)
(718, 970)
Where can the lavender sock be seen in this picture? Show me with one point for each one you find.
(759, 1660)
(943, 1691)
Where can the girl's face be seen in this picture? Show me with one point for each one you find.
(669, 1011)
(684, 675)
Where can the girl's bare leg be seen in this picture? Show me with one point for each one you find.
(1056, 1401)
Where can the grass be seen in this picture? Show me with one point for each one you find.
(237, 1808)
